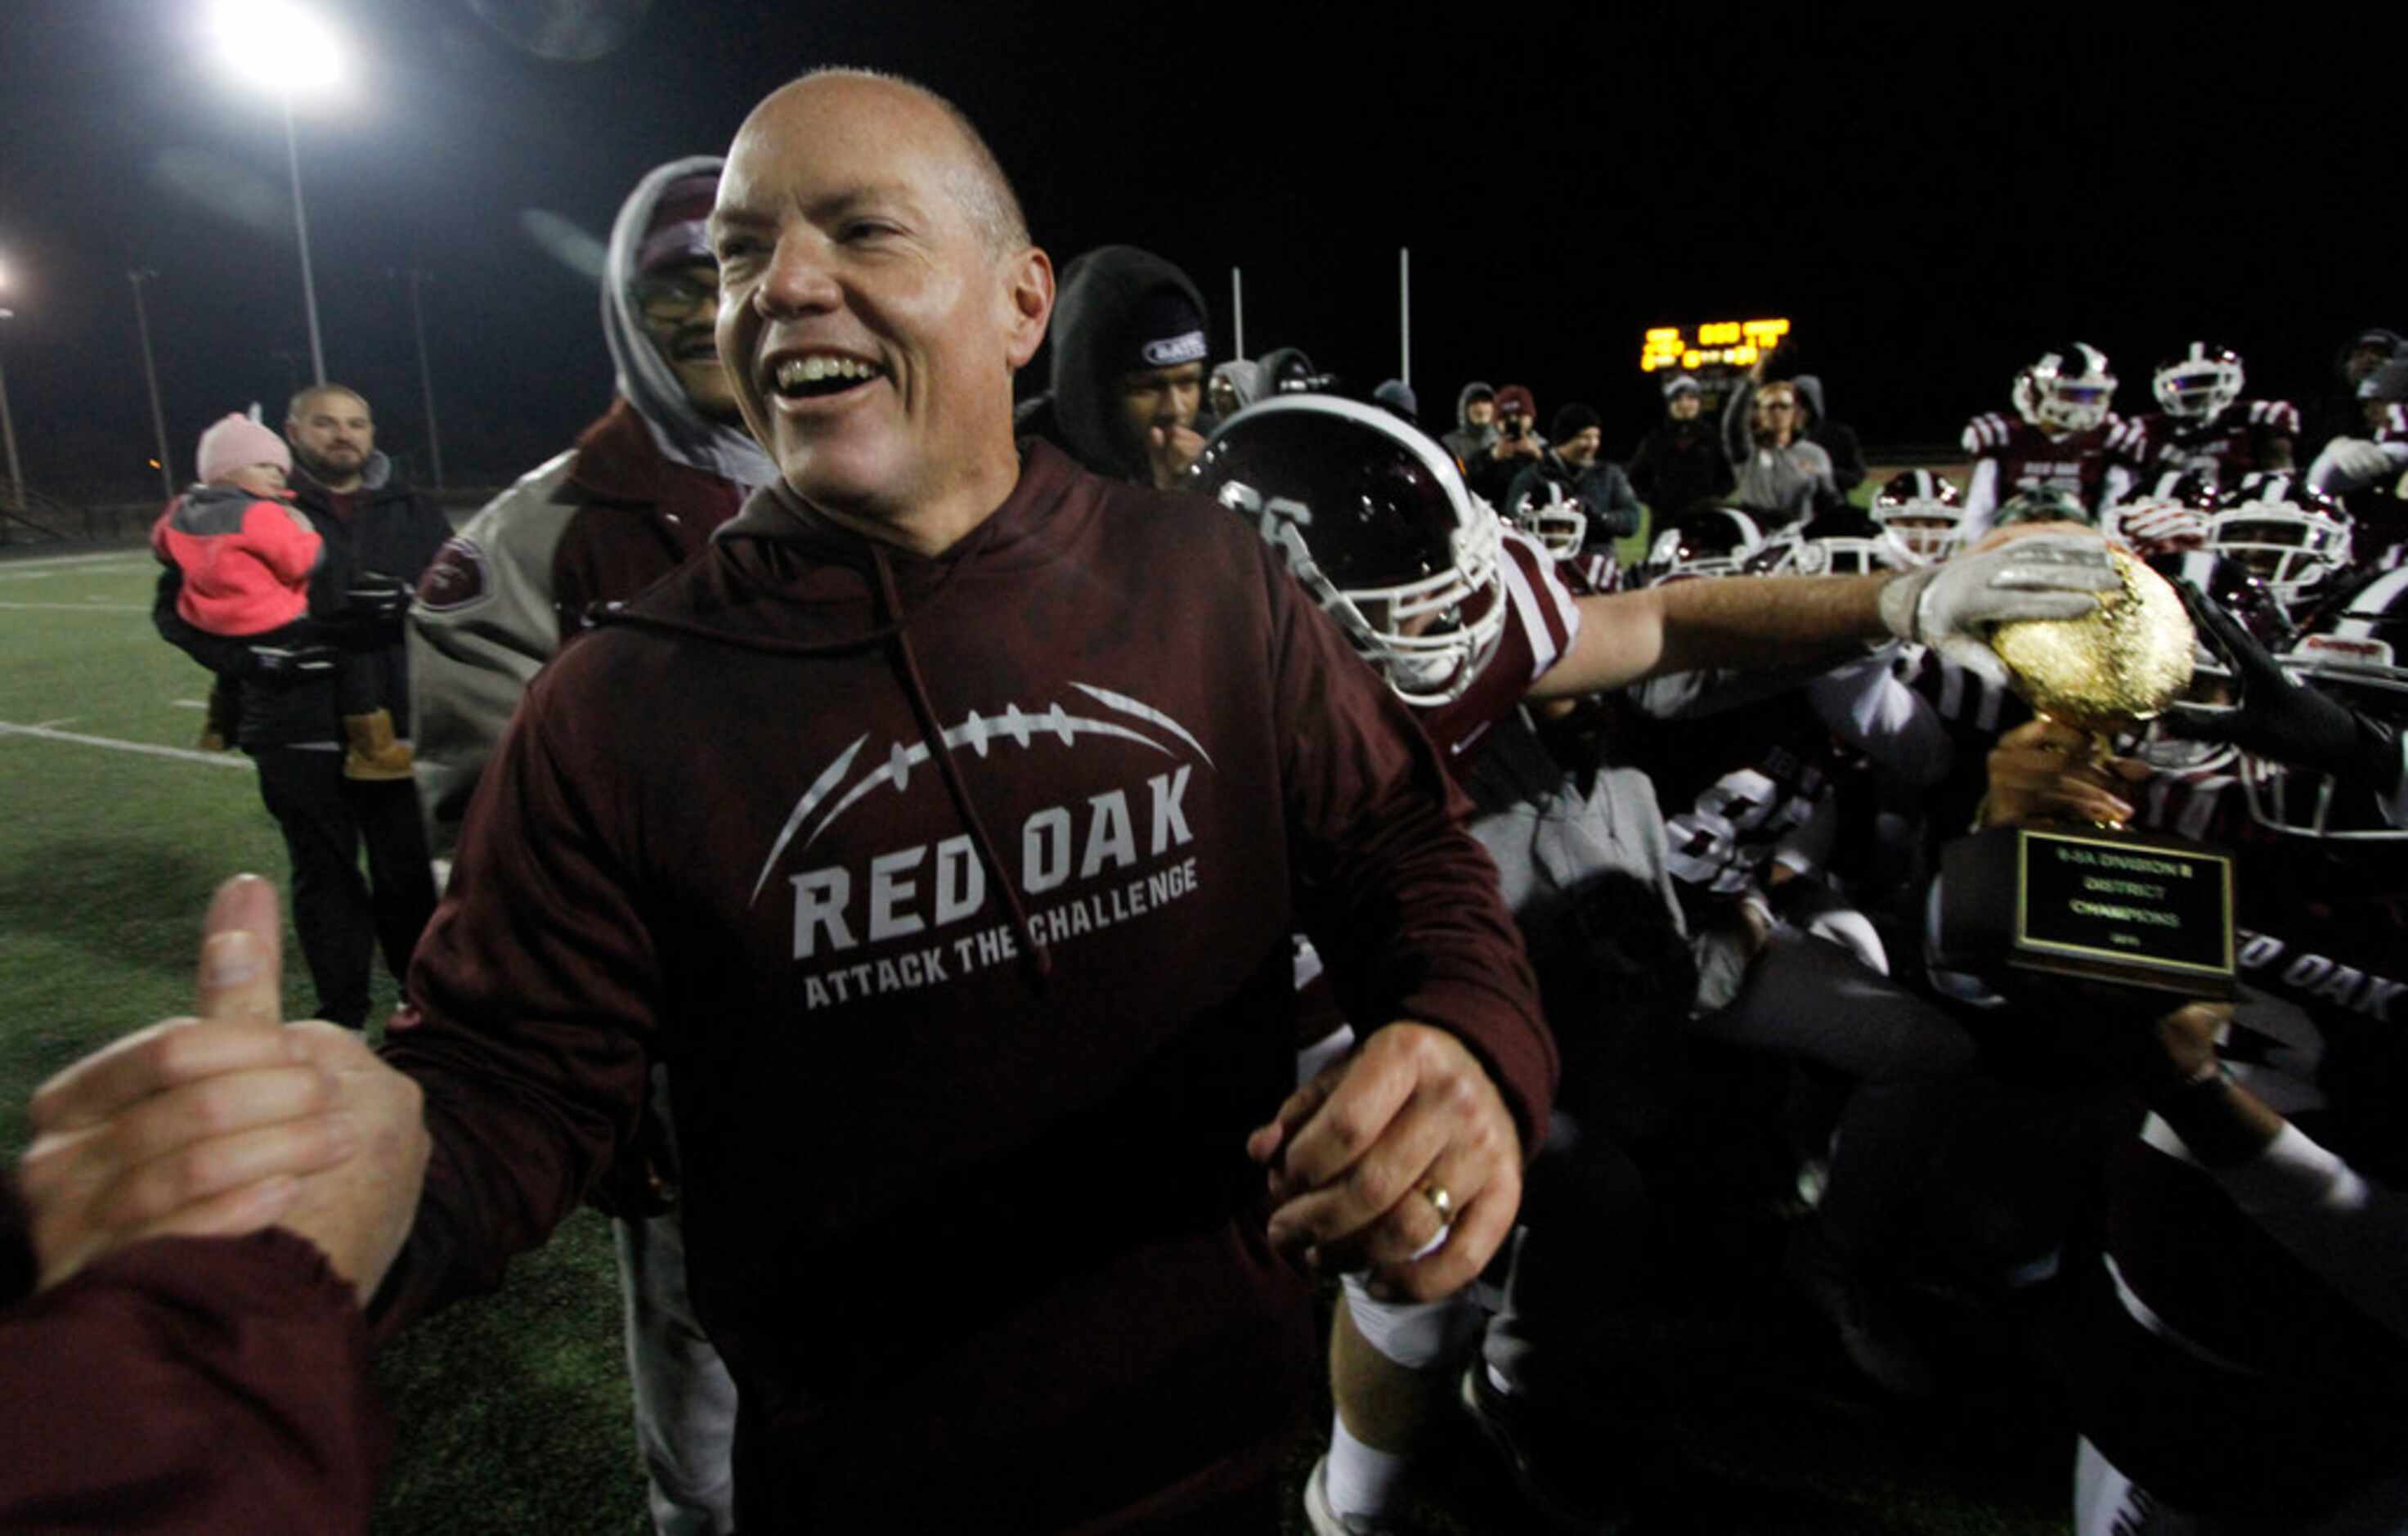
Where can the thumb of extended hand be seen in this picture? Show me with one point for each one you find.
(1975, 655)
(241, 972)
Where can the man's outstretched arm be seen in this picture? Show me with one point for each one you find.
(1793, 621)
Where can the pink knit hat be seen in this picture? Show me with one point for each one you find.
(237, 441)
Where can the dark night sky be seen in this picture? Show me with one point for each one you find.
(1928, 210)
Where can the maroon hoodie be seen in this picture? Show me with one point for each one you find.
(957, 894)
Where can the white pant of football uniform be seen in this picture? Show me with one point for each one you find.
(686, 1400)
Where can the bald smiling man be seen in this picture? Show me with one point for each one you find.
(942, 829)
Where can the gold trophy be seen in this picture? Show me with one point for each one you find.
(2105, 903)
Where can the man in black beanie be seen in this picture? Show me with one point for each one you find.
(1127, 376)
(1572, 460)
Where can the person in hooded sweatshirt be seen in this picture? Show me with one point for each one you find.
(641, 492)
(948, 849)
(1129, 369)
(1475, 423)
(1681, 462)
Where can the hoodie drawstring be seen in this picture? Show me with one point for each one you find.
(897, 636)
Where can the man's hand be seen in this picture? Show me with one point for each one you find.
(197, 1126)
(1953, 607)
(1170, 451)
(222, 1123)
(1361, 1157)
(2042, 771)
(293, 663)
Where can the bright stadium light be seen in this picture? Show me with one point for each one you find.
(279, 46)
(291, 52)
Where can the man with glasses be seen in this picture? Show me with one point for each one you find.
(1783, 478)
(643, 489)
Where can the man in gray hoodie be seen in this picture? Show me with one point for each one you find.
(640, 493)
(1475, 423)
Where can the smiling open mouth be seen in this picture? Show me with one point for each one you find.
(812, 377)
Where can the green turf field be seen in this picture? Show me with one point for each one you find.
(511, 1413)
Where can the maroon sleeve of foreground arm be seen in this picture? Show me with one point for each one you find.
(1401, 901)
(537, 979)
(190, 1384)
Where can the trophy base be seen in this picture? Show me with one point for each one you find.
(2132, 909)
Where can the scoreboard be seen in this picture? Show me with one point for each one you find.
(1719, 344)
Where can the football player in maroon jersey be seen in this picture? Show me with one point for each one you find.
(1468, 620)
(2059, 440)
(2202, 423)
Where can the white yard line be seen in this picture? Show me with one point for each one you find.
(74, 565)
(94, 605)
(214, 759)
(189, 703)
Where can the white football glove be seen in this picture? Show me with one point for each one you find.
(2348, 463)
(1952, 607)
(2158, 528)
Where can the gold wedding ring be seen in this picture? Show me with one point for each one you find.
(1440, 1201)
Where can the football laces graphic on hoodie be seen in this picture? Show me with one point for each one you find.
(976, 732)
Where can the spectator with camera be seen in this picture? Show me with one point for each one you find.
(1516, 446)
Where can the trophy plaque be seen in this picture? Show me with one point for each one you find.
(2132, 909)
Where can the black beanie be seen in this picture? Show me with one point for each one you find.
(1165, 331)
(1573, 420)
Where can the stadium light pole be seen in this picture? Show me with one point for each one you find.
(9, 424)
(294, 53)
(416, 276)
(137, 277)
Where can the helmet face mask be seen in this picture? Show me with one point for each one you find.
(1923, 512)
(2067, 389)
(2354, 652)
(2293, 539)
(1557, 522)
(1716, 541)
(2198, 386)
(1378, 525)
(2213, 684)
(1838, 554)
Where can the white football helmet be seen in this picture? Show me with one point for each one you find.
(1923, 512)
(2292, 539)
(2067, 389)
(2200, 383)
(1554, 519)
(1376, 522)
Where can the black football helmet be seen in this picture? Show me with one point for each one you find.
(1923, 512)
(2355, 650)
(2067, 388)
(2199, 384)
(2232, 587)
(2295, 539)
(1710, 541)
(1375, 520)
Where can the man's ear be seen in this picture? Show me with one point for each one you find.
(1029, 304)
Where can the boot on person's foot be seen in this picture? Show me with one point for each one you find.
(222, 729)
(374, 753)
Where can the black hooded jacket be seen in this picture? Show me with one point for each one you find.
(1100, 294)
